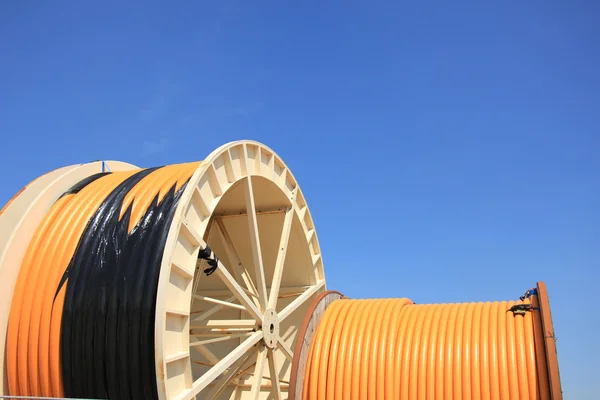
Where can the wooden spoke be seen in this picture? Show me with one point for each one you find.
(281, 344)
(210, 356)
(275, 388)
(220, 302)
(210, 375)
(232, 254)
(238, 291)
(216, 333)
(298, 301)
(224, 324)
(258, 372)
(279, 263)
(218, 339)
(245, 372)
(213, 310)
(229, 376)
(255, 242)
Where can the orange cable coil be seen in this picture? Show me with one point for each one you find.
(33, 339)
(394, 349)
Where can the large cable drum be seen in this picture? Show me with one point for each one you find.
(396, 349)
(173, 282)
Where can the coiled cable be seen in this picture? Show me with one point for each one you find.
(82, 316)
(394, 349)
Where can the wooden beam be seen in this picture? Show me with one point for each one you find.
(258, 371)
(285, 349)
(224, 324)
(228, 377)
(275, 388)
(279, 263)
(210, 356)
(220, 302)
(234, 258)
(212, 310)
(218, 339)
(255, 242)
(238, 291)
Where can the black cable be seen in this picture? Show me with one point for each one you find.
(76, 188)
(211, 259)
(107, 329)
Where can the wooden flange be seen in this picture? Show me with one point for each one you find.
(549, 342)
(223, 334)
(306, 333)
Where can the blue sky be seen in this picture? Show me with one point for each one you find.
(448, 150)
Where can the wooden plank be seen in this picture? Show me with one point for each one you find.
(176, 356)
(220, 302)
(255, 241)
(191, 234)
(285, 349)
(228, 377)
(258, 372)
(210, 356)
(275, 389)
(218, 339)
(213, 310)
(238, 291)
(279, 263)
(182, 270)
(234, 258)
(224, 324)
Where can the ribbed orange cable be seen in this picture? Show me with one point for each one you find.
(394, 349)
(33, 340)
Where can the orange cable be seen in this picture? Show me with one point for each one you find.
(393, 349)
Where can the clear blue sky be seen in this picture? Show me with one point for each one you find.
(449, 152)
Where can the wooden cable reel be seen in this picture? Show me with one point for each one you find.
(396, 349)
(228, 333)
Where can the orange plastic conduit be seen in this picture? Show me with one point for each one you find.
(394, 349)
(33, 340)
